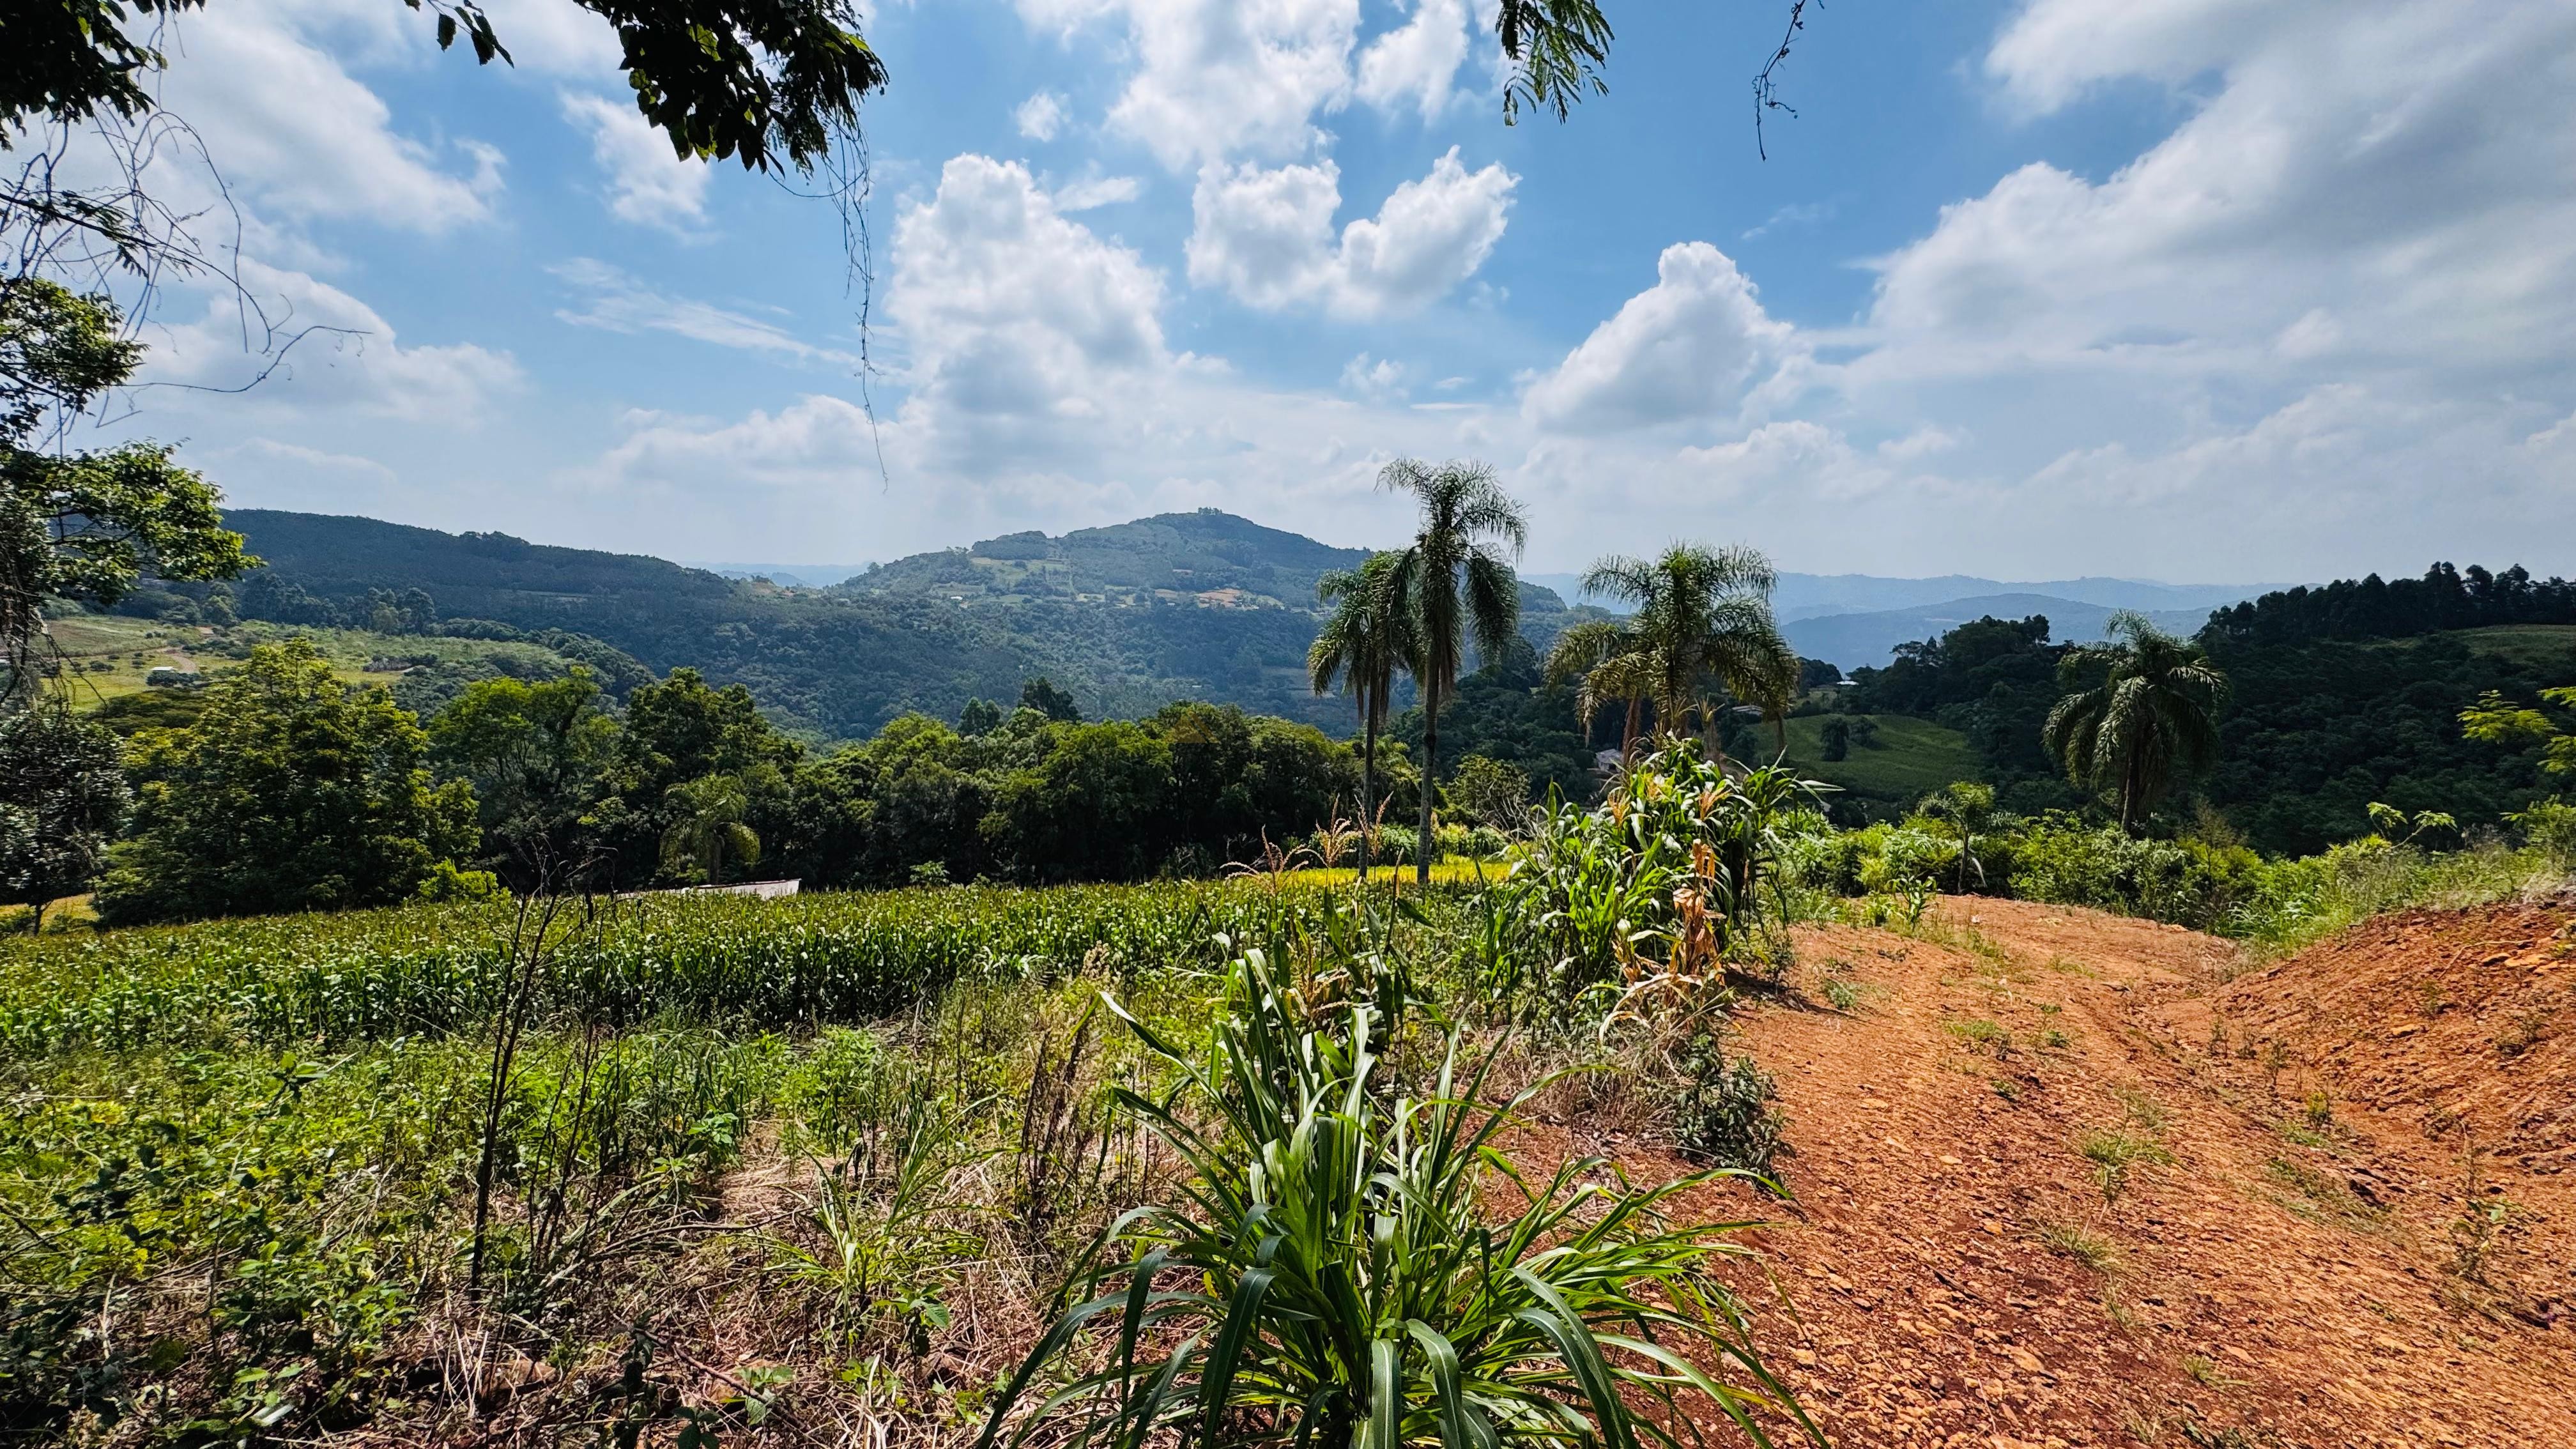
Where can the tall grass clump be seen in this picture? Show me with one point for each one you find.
(2305, 900)
(1350, 1262)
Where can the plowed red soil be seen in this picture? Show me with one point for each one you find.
(2282, 1260)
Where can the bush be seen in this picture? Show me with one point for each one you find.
(1338, 1255)
(2550, 826)
(2192, 883)
(1724, 1111)
(445, 883)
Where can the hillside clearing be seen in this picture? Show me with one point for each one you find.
(1909, 758)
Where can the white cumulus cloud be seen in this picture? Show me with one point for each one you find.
(297, 138)
(648, 184)
(1041, 116)
(1266, 235)
(1215, 78)
(1416, 64)
(1015, 318)
(2380, 184)
(347, 357)
(1686, 349)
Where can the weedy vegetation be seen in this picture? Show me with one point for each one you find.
(913, 1166)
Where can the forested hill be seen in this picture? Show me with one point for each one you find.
(1209, 557)
(476, 575)
(1129, 618)
(2339, 695)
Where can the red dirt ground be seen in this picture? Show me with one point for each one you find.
(2281, 1266)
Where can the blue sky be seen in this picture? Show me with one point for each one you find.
(2186, 289)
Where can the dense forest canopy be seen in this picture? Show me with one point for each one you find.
(2340, 695)
(2368, 607)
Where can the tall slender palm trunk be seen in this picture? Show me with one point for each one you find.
(1368, 788)
(1430, 777)
(2129, 787)
(1628, 734)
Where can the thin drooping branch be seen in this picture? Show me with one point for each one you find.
(1766, 87)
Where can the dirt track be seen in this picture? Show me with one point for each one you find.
(2279, 1261)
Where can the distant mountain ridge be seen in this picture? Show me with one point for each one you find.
(1210, 557)
(1200, 605)
(1810, 596)
(1854, 641)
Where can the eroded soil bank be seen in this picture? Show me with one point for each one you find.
(2065, 1179)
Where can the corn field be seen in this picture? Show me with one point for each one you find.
(423, 970)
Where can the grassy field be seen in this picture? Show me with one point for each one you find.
(2550, 647)
(107, 655)
(1909, 759)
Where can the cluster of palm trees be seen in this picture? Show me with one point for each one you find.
(1701, 622)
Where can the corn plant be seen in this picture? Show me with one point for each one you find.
(1651, 889)
(1335, 1273)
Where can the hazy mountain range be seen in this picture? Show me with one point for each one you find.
(1201, 605)
(1856, 619)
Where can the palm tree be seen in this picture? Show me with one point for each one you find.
(2150, 720)
(1703, 618)
(1364, 641)
(1453, 581)
(1604, 659)
(710, 826)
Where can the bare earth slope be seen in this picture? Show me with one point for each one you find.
(2278, 1258)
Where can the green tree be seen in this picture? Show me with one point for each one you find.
(535, 754)
(291, 792)
(62, 797)
(1452, 582)
(79, 523)
(1364, 640)
(2142, 714)
(1491, 792)
(981, 716)
(1607, 662)
(1703, 619)
(2496, 720)
(707, 825)
(1095, 805)
(1837, 739)
(676, 731)
(1040, 694)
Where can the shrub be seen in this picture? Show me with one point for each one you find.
(1724, 1112)
(1332, 1273)
(445, 883)
(2550, 826)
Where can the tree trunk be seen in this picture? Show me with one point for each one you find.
(1628, 735)
(1368, 787)
(1430, 774)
